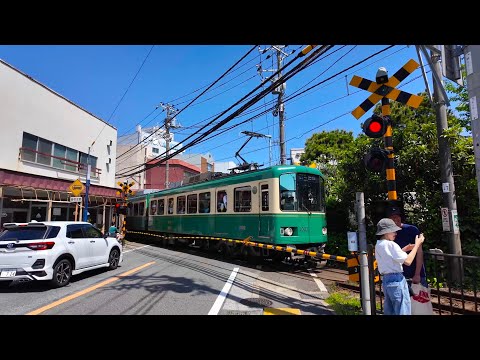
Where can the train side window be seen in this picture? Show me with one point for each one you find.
(161, 207)
(135, 209)
(265, 199)
(221, 201)
(243, 199)
(192, 204)
(181, 204)
(170, 206)
(204, 203)
(141, 209)
(153, 207)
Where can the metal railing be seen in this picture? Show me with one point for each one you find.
(75, 165)
(449, 297)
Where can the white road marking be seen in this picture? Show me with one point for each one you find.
(319, 282)
(141, 247)
(223, 294)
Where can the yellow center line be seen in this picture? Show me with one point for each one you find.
(87, 290)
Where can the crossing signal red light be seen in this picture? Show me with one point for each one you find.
(375, 126)
(376, 160)
(120, 209)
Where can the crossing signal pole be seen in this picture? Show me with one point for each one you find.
(124, 192)
(381, 126)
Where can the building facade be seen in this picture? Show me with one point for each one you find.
(178, 171)
(47, 142)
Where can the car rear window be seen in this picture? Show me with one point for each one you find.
(23, 233)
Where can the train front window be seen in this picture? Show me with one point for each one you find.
(310, 192)
(288, 200)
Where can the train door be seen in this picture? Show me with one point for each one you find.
(152, 212)
(264, 211)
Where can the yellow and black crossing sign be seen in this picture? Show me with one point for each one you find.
(386, 90)
(353, 266)
(125, 188)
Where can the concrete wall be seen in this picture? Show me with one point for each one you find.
(26, 105)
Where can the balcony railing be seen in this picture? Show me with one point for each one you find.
(69, 165)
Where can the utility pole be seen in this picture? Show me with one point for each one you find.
(168, 124)
(362, 247)
(87, 185)
(446, 172)
(280, 91)
(472, 64)
(281, 107)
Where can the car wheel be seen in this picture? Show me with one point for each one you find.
(113, 259)
(62, 273)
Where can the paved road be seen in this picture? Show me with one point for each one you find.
(160, 281)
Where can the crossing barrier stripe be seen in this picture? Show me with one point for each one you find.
(252, 244)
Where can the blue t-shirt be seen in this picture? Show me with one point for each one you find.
(404, 237)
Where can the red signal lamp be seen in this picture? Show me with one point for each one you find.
(375, 126)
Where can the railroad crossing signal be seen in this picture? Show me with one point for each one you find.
(377, 126)
(386, 89)
(125, 188)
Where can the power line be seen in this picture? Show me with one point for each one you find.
(315, 54)
(125, 93)
(203, 92)
(292, 98)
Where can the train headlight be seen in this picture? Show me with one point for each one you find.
(324, 230)
(288, 231)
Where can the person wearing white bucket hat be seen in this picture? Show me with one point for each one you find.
(390, 258)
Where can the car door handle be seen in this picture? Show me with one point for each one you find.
(92, 241)
(71, 242)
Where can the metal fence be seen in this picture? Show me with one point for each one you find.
(450, 295)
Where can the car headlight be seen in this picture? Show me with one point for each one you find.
(288, 231)
(324, 230)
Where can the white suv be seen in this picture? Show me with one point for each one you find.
(54, 251)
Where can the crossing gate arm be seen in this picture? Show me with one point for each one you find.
(247, 242)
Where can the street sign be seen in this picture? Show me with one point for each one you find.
(77, 199)
(445, 220)
(76, 187)
(456, 227)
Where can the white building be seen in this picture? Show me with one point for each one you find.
(224, 166)
(45, 140)
(295, 154)
(152, 144)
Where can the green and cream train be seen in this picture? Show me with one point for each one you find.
(280, 205)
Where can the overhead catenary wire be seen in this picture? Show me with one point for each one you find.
(356, 64)
(315, 54)
(294, 116)
(203, 92)
(124, 94)
(274, 101)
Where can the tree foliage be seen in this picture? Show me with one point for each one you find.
(417, 168)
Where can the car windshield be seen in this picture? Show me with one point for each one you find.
(23, 233)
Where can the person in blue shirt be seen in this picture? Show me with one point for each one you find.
(112, 231)
(416, 270)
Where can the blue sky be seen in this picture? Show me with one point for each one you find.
(96, 77)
